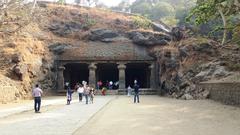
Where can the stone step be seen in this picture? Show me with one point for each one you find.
(142, 92)
(117, 92)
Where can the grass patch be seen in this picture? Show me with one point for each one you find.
(234, 67)
(142, 22)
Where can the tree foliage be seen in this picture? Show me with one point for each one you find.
(142, 22)
(207, 10)
(158, 10)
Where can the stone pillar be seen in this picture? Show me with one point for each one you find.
(92, 74)
(60, 81)
(121, 69)
(152, 76)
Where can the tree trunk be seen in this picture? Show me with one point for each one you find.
(224, 26)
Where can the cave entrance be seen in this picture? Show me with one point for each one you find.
(140, 72)
(107, 72)
(75, 73)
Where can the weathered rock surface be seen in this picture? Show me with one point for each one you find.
(16, 58)
(20, 70)
(63, 29)
(148, 38)
(182, 83)
(59, 48)
(104, 35)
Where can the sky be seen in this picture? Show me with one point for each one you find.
(112, 2)
(108, 3)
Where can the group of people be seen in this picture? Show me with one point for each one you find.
(108, 85)
(83, 90)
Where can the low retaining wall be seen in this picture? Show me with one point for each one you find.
(225, 92)
(7, 94)
(124, 92)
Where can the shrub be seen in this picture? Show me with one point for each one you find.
(142, 22)
(88, 23)
(234, 67)
(236, 33)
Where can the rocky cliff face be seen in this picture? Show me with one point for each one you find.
(183, 65)
(27, 57)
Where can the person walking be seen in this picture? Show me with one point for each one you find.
(136, 92)
(80, 91)
(37, 93)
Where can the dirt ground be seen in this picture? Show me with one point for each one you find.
(163, 116)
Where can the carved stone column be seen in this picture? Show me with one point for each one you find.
(60, 79)
(152, 76)
(121, 69)
(92, 74)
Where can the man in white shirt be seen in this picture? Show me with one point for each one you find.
(37, 93)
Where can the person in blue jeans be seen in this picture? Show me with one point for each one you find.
(86, 92)
(37, 93)
(136, 93)
(69, 95)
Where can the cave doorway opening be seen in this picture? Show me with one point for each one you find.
(139, 72)
(107, 72)
(75, 73)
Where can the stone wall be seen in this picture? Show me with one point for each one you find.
(225, 92)
(8, 94)
(124, 92)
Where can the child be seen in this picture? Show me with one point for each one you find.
(91, 94)
(129, 90)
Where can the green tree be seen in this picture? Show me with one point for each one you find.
(207, 10)
(143, 8)
(162, 9)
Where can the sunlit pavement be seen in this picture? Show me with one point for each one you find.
(27, 105)
(156, 115)
(118, 115)
(55, 119)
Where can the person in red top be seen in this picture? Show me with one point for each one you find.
(99, 85)
(37, 93)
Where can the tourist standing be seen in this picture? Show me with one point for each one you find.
(91, 94)
(136, 92)
(86, 93)
(99, 85)
(111, 85)
(69, 95)
(37, 93)
(80, 91)
(129, 90)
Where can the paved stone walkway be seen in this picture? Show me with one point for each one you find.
(155, 115)
(26, 105)
(57, 119)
